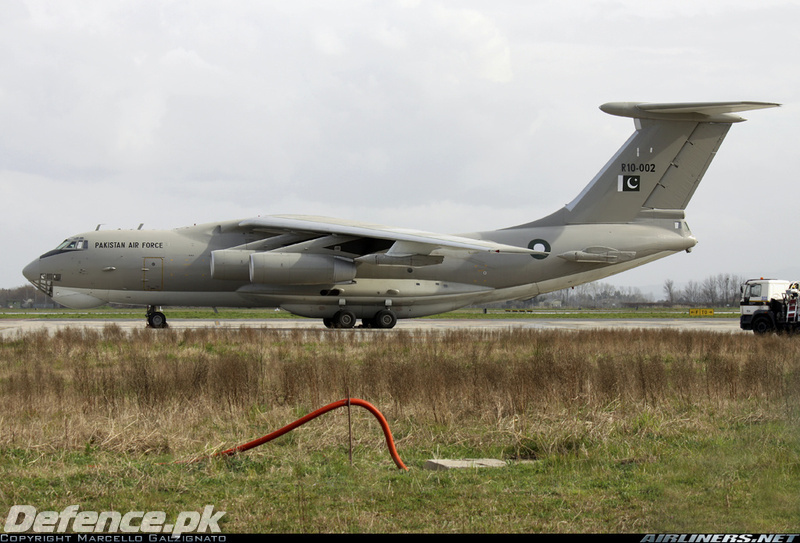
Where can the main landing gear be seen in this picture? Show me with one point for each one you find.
(155, 318)
(385, 318)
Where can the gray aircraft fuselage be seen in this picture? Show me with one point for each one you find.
(173, 267)
(632, 213)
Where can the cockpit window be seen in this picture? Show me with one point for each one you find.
(72, 245)
(68, 245)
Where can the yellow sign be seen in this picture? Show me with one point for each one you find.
(701, 312)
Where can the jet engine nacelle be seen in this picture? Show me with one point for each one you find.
(300, 269)
(230, 264)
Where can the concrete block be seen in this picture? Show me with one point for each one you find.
(440, 464)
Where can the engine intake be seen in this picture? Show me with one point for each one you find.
(230, 264)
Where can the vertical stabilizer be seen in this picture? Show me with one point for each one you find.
(661, 164)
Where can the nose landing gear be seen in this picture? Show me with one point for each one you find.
(155, 318)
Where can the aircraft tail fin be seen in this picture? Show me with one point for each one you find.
(661, 164)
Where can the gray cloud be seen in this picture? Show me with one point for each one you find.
(451, 116)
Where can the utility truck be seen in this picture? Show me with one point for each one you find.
(770, 305)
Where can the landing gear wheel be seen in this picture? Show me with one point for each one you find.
(328, 322)
(344, 319)
(384, 318)
(156, 319)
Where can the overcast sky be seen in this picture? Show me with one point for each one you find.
(450, 116)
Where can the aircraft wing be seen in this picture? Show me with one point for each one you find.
(406, 242)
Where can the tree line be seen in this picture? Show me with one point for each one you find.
(25, 296)
(721, 290)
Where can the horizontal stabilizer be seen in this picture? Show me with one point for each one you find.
(688, 111)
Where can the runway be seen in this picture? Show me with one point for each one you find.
(11, 327)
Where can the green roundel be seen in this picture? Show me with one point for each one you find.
(539, 245)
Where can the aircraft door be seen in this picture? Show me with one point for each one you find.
(153, 273)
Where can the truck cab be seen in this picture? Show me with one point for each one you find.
(764, 304)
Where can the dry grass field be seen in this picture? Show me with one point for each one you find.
(605, 431)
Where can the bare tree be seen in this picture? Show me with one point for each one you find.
(691, 294)
(729, 288)
(709, 294)
(669, 292)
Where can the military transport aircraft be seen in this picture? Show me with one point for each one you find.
(630, 214)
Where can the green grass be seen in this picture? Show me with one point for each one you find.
(603, 431)
(739, 479)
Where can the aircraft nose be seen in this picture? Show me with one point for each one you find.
(31, 271)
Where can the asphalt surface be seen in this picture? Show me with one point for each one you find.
(11, 327)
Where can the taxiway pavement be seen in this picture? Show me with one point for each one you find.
(12, 327)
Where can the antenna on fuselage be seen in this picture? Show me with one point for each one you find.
(98, 226)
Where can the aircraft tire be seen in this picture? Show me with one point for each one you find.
(328, 322)
(344, 319)
(157, 320)
(385, 318)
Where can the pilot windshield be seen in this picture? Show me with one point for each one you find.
(72, 245)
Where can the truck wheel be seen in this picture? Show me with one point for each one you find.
(762, 325)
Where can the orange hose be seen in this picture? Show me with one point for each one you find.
(321, 411)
